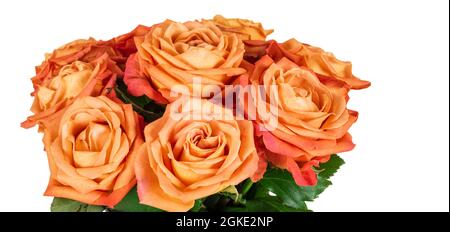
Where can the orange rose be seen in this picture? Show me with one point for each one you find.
(311, 116)
(185, 158)
(73, 79)
(91, 150)
(245, 29)
(176, 53)
(324, 63)
(78, 50)
(79, 68)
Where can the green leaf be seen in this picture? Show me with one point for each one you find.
(282, 185)
(328, 169)
(67, 205)
(142, 104)
(130, 203)
(197, 206)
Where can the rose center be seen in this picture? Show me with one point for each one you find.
(200, 143)
(92, 138)
(202, 154)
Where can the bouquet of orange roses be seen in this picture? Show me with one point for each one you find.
(204, 115)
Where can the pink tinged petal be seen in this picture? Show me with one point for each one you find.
(138, 84)
(261, 168)
(278, 146)
(304, 176)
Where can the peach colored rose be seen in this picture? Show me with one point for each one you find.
(311, 116)
(185, 158)
(324, 63)
(245, 29)
(91, 149)
(78, 50)
(74, 79)
(175, 53)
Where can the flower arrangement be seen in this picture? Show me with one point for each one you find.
(204, 115)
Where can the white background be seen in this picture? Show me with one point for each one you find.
(401, 162)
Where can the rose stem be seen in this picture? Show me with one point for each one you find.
(247, 185)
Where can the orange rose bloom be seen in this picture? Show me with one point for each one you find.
(78, 50)
(175, 53)
(245, 29)
(56, 90)
(312, 118)
(185, 159)
(91, 150)
(324, 63)
(79, 68)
